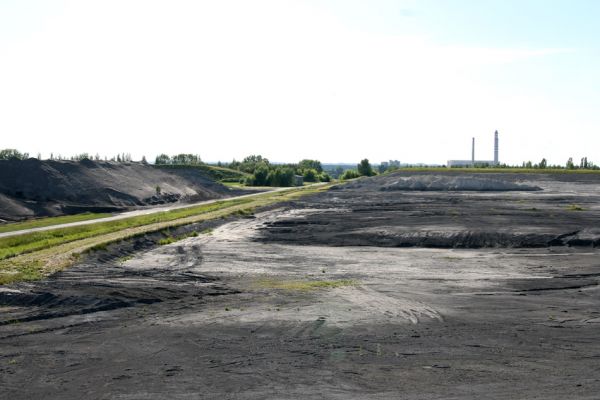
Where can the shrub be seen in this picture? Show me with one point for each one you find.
(324, 177)
(310, 175)
(349, 174)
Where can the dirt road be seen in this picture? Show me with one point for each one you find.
(129, 214)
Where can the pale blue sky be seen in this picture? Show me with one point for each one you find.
(295, 79)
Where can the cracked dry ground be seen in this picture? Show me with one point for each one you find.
(423, 296)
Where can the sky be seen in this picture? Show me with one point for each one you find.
(334, 80)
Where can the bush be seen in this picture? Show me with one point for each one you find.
(310, 175)
(349, 174)
(324, 177)
(281, 176)
(260, 175)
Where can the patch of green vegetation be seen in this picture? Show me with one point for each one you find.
(172, 239)
(167, 240)
(29, 272)
(36, 255)
(304, 285)
(216, 173)
(245, 212)
(26, 243)
(50, 221)
(99, 247)
(124, 259)
(451, 258)
(575, 207)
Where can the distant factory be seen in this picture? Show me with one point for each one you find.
(473, 162)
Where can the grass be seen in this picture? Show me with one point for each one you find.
(215, 172)
(38, 254)
(172, 239)
(575, 207)
(26, 243)
(304, 285)
(43, 222)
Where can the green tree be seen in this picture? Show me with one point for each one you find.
(310, 175)
(543, 163)
(364, 168)
(281, 176)
(260, 175)
(8, 154)
(349, 174)
(162, 159)
(186, 159)
(570, 164)
(311, 164)
(251, 163)
(324, 177)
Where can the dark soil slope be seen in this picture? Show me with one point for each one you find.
(446, 211)
(32, 188)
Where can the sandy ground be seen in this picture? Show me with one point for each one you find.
(231, 314)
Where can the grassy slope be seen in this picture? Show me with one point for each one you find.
(43, 222)
(35, 255)
(216, 173)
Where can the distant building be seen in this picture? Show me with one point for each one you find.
(385, 165)
(473, 162)
(298, 180)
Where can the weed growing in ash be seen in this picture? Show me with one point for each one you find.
(304, 285)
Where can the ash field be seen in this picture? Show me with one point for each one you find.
(401, 286)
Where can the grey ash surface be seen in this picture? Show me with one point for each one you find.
(210, 316)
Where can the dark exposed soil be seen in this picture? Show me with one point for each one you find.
(210, 316)
(33, 188)
(370, 214)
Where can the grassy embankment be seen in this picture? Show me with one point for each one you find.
(50, 221)
(220, 174)
(502, 170)
(38, 254)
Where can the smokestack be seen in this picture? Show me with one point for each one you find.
(496, 148)
(473, 152)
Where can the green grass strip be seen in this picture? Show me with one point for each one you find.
(15, 245)
(36, 255)
(43, 222)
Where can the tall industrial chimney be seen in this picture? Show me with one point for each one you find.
(473, 152)
(496, 148)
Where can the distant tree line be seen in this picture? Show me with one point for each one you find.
(261, 172)
(9, 154)
(178, 159)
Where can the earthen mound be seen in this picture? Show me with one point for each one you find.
(456, 183)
